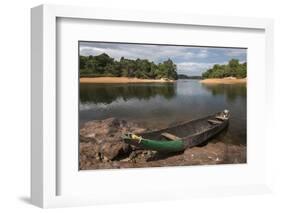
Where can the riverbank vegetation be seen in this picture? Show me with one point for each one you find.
(183, 76)
(232, 69)
(104, 66)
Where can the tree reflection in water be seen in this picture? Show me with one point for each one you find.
(108, 93)
(230, 91)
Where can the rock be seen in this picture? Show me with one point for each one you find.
(104, 138)
(84, 139)
(105, 159)
(111, 150)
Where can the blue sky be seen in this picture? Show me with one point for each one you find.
(189, 60)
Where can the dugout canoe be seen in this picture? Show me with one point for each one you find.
(180, 137)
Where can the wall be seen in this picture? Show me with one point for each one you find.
(15, 97)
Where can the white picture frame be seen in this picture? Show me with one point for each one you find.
(44, 135)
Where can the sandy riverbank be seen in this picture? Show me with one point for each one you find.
(224, 81)
(121, 80)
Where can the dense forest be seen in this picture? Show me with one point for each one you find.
(183, 76)
(232, 69)
(103, 65)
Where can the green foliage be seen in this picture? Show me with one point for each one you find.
(232, 69)
(183, 76)
(104, 65)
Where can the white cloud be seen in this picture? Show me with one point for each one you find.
(194, 68)
(203, 53)
(235, 52)
(156, 53)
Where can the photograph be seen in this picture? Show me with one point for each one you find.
(160, 105)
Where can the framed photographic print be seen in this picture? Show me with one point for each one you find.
(131, 102)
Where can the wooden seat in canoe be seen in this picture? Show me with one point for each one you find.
(170, 136)
(214, 121)
(221, 118)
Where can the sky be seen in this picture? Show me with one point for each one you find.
(189, 60)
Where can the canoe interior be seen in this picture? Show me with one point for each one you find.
(184, 130)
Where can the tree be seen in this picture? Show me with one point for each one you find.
(232, 69)
(234, 66)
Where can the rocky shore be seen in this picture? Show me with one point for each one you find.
(101, 147)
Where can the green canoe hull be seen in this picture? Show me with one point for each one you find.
(163, 146)
(160, 146)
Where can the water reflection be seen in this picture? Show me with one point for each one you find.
(230, 91)
(108, 93)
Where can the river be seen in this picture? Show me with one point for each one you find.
(157, 105)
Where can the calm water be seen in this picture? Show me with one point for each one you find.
(157, 105)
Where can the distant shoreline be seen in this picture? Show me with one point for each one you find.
(229, 80)
(103, 80)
